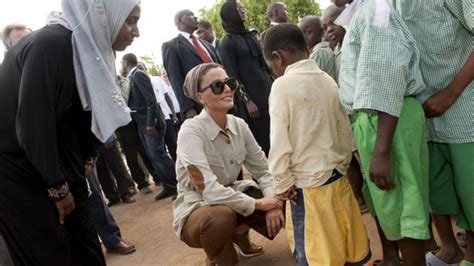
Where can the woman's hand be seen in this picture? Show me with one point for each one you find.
(65, 207)
(275, 221)
(252, 109)
(268, 203)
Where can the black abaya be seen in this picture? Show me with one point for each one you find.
(45, 138)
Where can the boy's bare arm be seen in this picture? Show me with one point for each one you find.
(381, 164)
(440, 102)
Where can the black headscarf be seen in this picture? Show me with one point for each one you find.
(233, 24)
(231, 21)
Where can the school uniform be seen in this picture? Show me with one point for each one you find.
(380, 73)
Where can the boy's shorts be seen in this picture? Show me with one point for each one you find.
(452, 181)
(326, 227)
(403, 211)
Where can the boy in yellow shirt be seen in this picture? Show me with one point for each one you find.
(310, 153)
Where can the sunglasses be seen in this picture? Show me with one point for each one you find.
(217, 87)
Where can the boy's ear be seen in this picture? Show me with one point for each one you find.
(278, 57)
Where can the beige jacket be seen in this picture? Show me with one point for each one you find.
(219, 155)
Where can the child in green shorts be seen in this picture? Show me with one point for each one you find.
(444, 32)
(379, 78)
(310, 153)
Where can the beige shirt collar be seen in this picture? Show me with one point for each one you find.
(211, 129)
(303, 66)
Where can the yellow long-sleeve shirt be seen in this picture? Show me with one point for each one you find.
(310, 132)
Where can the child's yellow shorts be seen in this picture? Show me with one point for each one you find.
(326, 227)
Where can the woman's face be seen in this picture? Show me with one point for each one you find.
(241, 10)
(129, 31)
(222, 102)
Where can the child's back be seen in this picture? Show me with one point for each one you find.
(309, 156)
(306, 101)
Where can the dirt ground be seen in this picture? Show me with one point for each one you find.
(147, 224)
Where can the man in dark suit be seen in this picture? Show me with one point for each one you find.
(181, 54)
(206, 32)
(150, 121)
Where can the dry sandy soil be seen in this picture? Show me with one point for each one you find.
(147, 224)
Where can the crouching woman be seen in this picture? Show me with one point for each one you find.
(214, 210)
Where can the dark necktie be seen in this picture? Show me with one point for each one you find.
(202, 53)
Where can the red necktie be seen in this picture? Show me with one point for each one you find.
(204, 57)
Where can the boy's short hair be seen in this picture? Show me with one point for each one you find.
(285, 37)
(131, 59)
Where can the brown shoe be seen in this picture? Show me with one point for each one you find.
(246, 248)
(122, 248)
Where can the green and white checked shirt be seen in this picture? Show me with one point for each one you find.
(379, 61)
(325, 58)
(444, 31)
(337, 62)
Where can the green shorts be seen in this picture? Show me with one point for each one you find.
(403, 211)
(452, 181)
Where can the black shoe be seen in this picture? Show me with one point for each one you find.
(162, 195)
(128, 199)
(113, 202)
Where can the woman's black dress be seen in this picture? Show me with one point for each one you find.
(44, 139)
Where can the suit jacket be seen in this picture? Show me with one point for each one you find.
(142, 100)
(179, 57)
(218, 41)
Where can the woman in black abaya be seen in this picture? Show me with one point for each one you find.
(57, 90)
(242, 58)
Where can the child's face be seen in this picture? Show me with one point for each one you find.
(311, 35)
(333, 33)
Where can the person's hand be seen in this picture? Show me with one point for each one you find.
(65, 207)
(275, 220)
(439, 103)
(268, 203)
(252, 109)
(381, 171)
(290, 195)
(175, 119)
(191, 113)
(150, 131)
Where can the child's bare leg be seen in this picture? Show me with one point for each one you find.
(356, 180)
(389, 249)
(470, 246)
(431, 244)
(450, 251)
(413, 251)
